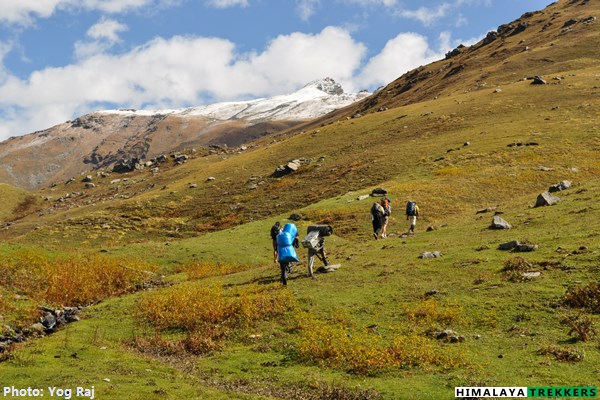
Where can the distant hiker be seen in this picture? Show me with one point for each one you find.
(286, 241)
(412, 212)
(315, 243)
(387, 211)
(377, 212)
(275, 230)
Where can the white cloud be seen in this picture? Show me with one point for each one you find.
(25, 12)
(426, 16)
(307, 8)
(104, 35)
(227, 3)
(107, 29)
(401, 54)
(173, 73)
(365, 3)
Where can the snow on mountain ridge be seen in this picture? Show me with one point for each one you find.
(317, 98)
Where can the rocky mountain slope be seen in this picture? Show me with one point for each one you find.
(103, 138)
(539, 43)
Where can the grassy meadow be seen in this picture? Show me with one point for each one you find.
(181, 298)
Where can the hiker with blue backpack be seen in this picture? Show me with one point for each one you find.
(287, 241)
(412, 212)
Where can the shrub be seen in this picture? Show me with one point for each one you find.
(192, 307)
(587, 297)
(207, 315)
(431, 312)
(564, 355)
(192, 343)
(581, 325)
(514, 268)
(357, 351)
(73, 280)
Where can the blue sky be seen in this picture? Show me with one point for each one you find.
(60, 59)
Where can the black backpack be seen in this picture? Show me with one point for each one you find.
(411, 207)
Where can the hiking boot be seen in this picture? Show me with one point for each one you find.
(375, 236)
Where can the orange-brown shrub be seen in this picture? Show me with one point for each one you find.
(72, 281)
(191, 307)
(358, 351)
(432, 312)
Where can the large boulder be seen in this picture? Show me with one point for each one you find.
(546, 199)
(499, 223)
(563, 185)
(379, 192)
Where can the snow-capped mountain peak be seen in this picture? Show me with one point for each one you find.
(315, 99)
(327, 85)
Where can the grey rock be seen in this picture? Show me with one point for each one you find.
(296, 217)
(37, 328)
(509, 245)
(430, 254)
(379, 192)
(563, 185)
(525, 248)
(363, 197)
(49, 321)
(538, 80)
(499, 223)
(546, 199)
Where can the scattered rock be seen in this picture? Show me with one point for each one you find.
(532, 274)
(88, 178)
(499, 223)
(363, 197)
(518, 247)
(563, 185)
(296, 217)
(546, 199)
(431, 292)
(525, 248)
(89, 185)
(485, 210)
(449, 336)
(329, 268)
(430, 228)
(290, 167)
(210, 179)
(538, 80)
(193, 185)
(379, 192)
(49, 322)
(570, 22)
(508, 245)
(430, 254)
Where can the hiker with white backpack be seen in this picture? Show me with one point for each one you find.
(315, 243)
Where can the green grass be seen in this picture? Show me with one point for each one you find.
(511, 325)
(11, 197)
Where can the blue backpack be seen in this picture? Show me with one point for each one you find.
(411, 207)
(285, 244)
